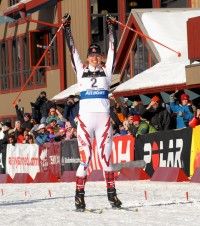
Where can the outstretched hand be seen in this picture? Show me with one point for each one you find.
(66, 20)
(110, 19)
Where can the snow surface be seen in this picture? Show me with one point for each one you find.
(166, 204)
(170, 29)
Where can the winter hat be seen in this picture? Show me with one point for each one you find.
(155, 99)
(41, 126)
(94, 49)
(136, 118)
(184, 96)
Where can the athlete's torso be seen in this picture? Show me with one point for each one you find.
(94, 84)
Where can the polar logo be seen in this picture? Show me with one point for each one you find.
(170, 156)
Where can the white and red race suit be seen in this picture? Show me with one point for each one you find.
(94, 111)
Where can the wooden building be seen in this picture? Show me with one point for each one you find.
(35, 23)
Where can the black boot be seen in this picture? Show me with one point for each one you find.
(79, 200)
(113, 199)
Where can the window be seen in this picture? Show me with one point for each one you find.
(174, 3)
(16, 61)
(140, 58)
(15, 67)
(13, 2)
(39, 41)
(4, 67)
(135, 4)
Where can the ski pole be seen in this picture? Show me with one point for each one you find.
(143, 35)
(37, 65)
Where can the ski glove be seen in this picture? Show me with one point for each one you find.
(110, 19)
(66, 20)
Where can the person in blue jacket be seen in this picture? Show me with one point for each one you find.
(182, 109)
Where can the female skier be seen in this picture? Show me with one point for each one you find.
(94, 82)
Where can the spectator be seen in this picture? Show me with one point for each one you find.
(122, 130)
(25, 137)
(42, 135)
(71, 109)
(31, 139)
(60, 135)
(137, 107)
(69, 131)
(118, 110)
(24, 118)
(52, 127)
(18, 132)
(137, 126)
(42, 106)
(195, 121)
(182, 110)
(114, 118)
(56, 115)
(157, 115)
(37, 106)
(11, 139)
(6, 130)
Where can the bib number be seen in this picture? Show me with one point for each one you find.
(94, 81)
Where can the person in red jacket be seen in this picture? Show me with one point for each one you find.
(195, 121)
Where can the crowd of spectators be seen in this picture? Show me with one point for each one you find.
(50, 122)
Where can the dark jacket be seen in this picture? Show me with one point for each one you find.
(159, 118)
(71, 112)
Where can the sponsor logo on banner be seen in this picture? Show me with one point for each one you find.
(122, 151)
(165, 149)
(168, 157)
(49, 157)
(22, 158)
(43, 159)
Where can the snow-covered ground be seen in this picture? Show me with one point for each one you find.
(53, 204)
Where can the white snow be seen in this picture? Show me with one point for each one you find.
(166, 204)
(170, 29)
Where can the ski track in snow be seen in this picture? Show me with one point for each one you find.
(53, 204)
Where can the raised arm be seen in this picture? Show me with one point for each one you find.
(112, 44)
(75, 58)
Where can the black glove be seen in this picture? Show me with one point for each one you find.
(66, 20)
(110, 19)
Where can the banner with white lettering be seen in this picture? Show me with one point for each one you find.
(165, 149)
(22, 158)
(49, 158)
(122, 151)
(69, 153)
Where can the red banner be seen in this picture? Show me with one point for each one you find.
(122, 151)
(49, 157)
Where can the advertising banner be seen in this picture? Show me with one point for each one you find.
(22, 158)
(3, 158)
(122, 151)
(165, 149)
(49, 158)
(195, 150)
(69, 153)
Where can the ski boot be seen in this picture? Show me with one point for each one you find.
(79, 200)
(113, 199)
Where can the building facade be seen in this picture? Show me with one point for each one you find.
(23, 42)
